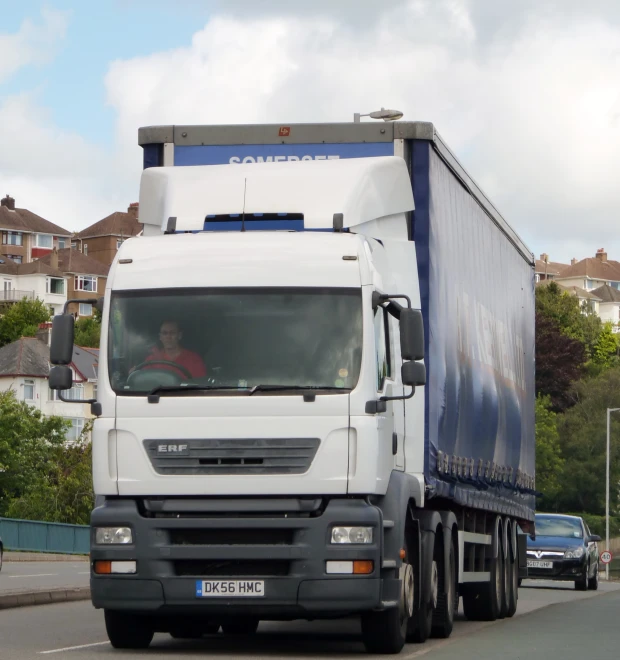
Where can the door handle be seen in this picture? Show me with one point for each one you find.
(394, 443)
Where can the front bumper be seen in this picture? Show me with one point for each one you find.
(287, 551)
(563, 569)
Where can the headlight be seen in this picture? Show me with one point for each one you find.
(575, 553)
(113, 535)
(352, 535)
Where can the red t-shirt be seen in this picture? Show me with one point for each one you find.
(188, 359)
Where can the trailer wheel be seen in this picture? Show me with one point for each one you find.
(507, 582)
(443, 617)
(385, 632)
(513, 586)
(483, 602)
(128, 631)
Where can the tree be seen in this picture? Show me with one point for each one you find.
(606, 348)
(583, 431)
(559, 363)
(88, 332)
(26, 440)
(574, 320)
(549, 461)
(64, 491)
(22, 319)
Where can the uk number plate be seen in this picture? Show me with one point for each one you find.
(531, 563)
(230, 588)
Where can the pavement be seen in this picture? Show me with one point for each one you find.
(40, 582)
(553, 620)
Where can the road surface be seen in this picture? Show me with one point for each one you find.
(25, 576)
(578, 625)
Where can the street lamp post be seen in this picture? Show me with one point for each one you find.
(386, 115)
(609, 411)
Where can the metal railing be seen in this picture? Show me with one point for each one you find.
(35, 536)
(15, 295)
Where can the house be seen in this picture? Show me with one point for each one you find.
(547, 270)
(102, 240)
(609, 305)
(86, 277)
(34, 280)
(587, 299)
(25, 367)
(591, 273)
(26, 236)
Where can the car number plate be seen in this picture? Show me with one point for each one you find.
(230, 588)
(539, 564)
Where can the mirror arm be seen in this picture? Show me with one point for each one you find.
(95, 406)
(399, 398)
(86, 301)
(380, 298)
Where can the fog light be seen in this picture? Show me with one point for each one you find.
(113, 535)
(353, 535)
(115, 567)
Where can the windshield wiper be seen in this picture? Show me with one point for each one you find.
(154, 394)
(307, 388)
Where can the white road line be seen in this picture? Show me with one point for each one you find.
(74, 648)
(36, 575)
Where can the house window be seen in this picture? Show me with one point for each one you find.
(85, 283)
(43, 241)
(12, 238)
(8, 285)
(85, 248)
(55, 285)
(86, 309)
(61, 243)
(74, 245)
(76, 392)
(29, 390)
(75, 431)
(537, 277)
(15, 257)
(119, 242)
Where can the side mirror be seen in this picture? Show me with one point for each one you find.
(61, 378)
(411, 334)
(413, 373)
(61, 349)
(594, 538)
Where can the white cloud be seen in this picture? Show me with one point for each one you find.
(33, 43)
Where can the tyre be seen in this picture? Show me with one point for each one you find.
(421, 623)
(514, 587)
(443, 617)
(385, 632)
(507, 586)
(483, 602)
(128, 631)
(241, 626)
(582, 583)
(593, 581)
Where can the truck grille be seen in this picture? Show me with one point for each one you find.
(232, 456)
(231, 536)
(232, 569)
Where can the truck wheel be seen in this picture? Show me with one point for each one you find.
(241, 626)
(443, 617)
(128, 631)
(513, 584)
(582, 583)
(385, 632)
(483, 602)
(421, 624)
(507, 583)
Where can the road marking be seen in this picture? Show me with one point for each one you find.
(74, 648)
(36, 575)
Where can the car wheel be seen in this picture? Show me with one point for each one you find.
(593, 581)
(582, 583)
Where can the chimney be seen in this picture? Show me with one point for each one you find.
(54, 258)
(133, 210)
(544, 257)
(44, 333)
(601, 254)
(573, 261)
(9, 202)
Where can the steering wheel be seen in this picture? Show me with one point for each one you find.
(168, 363)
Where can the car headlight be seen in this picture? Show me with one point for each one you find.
(575, 553)
(113, 535)
(352, 535)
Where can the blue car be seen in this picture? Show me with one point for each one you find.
(564, 549)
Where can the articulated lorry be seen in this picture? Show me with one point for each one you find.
(316, 389)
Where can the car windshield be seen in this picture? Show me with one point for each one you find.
(562, 527)
(235, 340)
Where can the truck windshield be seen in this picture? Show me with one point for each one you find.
(235, 340)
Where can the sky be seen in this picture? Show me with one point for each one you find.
(527, 94)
